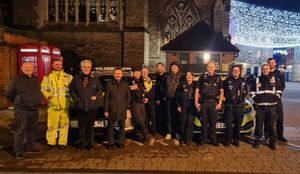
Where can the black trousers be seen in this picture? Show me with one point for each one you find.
(187, 122)
(151, 117)
(111, 131)
(279, 121)
(26, 124)
(208, 117)
(139, 115)
(172, 117)
(86, 122)
(266, 113)
(234, 115)
(160, 117)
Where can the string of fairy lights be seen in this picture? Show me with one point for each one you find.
(264, 27)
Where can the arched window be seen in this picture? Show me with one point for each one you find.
(179, 16)
(96, 11)
(71, 10)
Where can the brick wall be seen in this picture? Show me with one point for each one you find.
(103, 48)
(8, 70)
(135, 48)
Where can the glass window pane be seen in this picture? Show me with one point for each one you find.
(93, 11)
(184, 58)
(113, 14)
(199, 58)
(71, 11)
(216, 59)
(82, 10)
(61, 10)
(103, 11)
(51, 10)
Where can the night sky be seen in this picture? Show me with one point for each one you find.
(289, 5)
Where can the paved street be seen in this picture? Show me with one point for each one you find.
(163, 155)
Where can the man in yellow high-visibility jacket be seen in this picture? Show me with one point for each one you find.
(55, 88)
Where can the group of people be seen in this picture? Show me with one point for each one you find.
(164, 103)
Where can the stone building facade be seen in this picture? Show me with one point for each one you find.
(110, 32)
(116, 32)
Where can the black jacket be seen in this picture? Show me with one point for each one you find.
(235, 90)
(209, 86)
(140, 93)
(169, 84)
(82, 95)
(151, 94)
(25, 92)
(157, 79)
(185, 95)
(117, 99)
(280, 78)
(265, 90)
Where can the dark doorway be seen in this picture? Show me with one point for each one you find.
(71, 61)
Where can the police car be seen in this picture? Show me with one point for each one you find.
(248, 123)
(105, 74)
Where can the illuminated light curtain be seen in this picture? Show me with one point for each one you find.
(264, 27)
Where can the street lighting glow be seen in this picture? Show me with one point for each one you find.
(206, 58)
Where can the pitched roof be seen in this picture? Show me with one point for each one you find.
(200, 37)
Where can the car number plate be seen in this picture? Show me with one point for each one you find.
(220, 125)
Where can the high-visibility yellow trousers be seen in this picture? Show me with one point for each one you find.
(57, 126)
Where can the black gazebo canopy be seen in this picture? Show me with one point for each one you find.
(200, 37)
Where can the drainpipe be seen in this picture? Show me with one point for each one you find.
(122, 34)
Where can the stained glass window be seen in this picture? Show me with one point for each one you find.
(51, 10)
(67, 10)
(113, 14)
(61, 10)
(180, 17)
(82, 10)
(103, 11)
(93, 10)
(71, 11)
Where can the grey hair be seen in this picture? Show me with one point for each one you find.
(86, 61)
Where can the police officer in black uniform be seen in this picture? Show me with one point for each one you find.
(208, 100)
(139, 98)
(235, 91)
(279, 107)
(170, 82)
(186, 108)
(265, 92)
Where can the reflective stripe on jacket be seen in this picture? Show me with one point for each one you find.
(56, 85)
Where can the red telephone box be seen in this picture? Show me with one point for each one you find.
(39, 55)
(55, 52)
